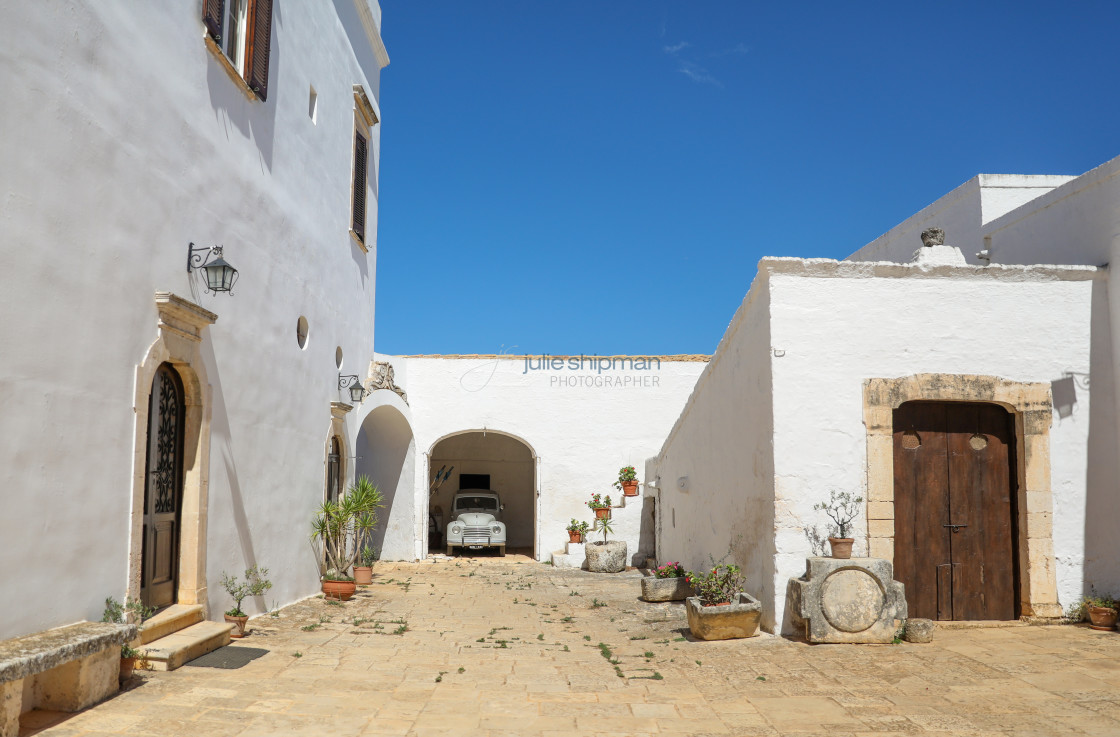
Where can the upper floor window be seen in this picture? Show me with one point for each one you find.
(242, 30)
(365, 117)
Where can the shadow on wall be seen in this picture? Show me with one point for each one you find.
(1102, 515)
(386, 453)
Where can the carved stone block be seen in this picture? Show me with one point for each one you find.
(852, 600)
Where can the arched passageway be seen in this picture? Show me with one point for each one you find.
(494, 460)
(386, 452)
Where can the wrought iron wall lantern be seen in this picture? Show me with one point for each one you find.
(220, 274)
(351, 382)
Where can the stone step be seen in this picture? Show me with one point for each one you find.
(561, 559)
(172, 651)
(172, 619)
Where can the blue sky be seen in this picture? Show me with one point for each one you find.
(601, 176)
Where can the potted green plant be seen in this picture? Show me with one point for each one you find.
(666, 582)
(130, 611)
(339, 527)
(842, 508)
(255, 584)
(1101, 611)
(600, 506)
(363, 574)
(605, 556)
(576, 531)
(627, 481)
(721, 610)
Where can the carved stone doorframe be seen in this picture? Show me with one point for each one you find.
(1031, 405)
(181, 323)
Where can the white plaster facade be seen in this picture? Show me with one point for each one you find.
(126, 138)
(577, 426)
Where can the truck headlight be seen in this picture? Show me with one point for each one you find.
(456, 529)
(496, 529)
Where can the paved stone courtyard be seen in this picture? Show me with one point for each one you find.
(506, 646)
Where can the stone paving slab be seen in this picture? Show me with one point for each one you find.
(506, 646)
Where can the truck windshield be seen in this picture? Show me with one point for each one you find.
(485, 503)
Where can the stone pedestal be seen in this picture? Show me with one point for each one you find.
(608, 557)
(854, 600)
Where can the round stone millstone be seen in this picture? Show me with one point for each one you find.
(609, 557)
(852, 600)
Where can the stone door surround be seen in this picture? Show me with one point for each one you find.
(1031, 405)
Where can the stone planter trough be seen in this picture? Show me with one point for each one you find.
(608, 557)
(665, 589)
(735, 620)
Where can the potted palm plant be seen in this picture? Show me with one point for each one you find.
(841, 508)
(339, 527)
(255, 584)
(605, 556)
(576, 531)
(363, 574)
(627, 481)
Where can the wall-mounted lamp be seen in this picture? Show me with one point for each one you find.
(220, 275)
(351, 382)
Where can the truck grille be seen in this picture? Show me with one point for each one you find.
(473, 535)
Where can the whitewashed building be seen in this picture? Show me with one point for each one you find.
(132, 130)
(822, 379)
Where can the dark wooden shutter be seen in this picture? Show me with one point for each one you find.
(360, 157)
(260, 42)
(212, 11)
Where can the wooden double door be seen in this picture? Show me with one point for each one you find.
(955, 510)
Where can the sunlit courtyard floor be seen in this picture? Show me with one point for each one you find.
(506, 646)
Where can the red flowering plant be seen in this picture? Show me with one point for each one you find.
(597, 502)
(671, 569)
(717, 586)
(626, 473)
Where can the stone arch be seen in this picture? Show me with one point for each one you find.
(518, 475)
(180, 327)
(386, 452)
(1032, 407)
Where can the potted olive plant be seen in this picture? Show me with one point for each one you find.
(841, 508)
(130, 611)
(721, 610)
(255, 584)
(1101, 611)
(666, 582)
(605, 556)
(339, 527)
(363, 574)
(627, 481)
(576, 531)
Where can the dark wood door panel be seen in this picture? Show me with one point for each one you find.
(921, 502)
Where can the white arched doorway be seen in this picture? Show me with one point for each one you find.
(386, 453)
(497, 460)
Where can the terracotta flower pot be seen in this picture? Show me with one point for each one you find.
(603, 513)
(841, 547)
(127, 666)
(575, 536)
(630, 488)
(239, 630)
(1102, 618)
(363, 575)
(339, 590)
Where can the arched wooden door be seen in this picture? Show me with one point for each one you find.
(955, 510)
(163, 490)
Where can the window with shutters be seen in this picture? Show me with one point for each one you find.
(365, 118)
(240, 31)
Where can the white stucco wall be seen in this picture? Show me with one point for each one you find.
(832, 325)
(716, 467)
(124, 140)
(580, 429)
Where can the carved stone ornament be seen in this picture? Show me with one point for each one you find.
(933, 237)
(381, 377)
